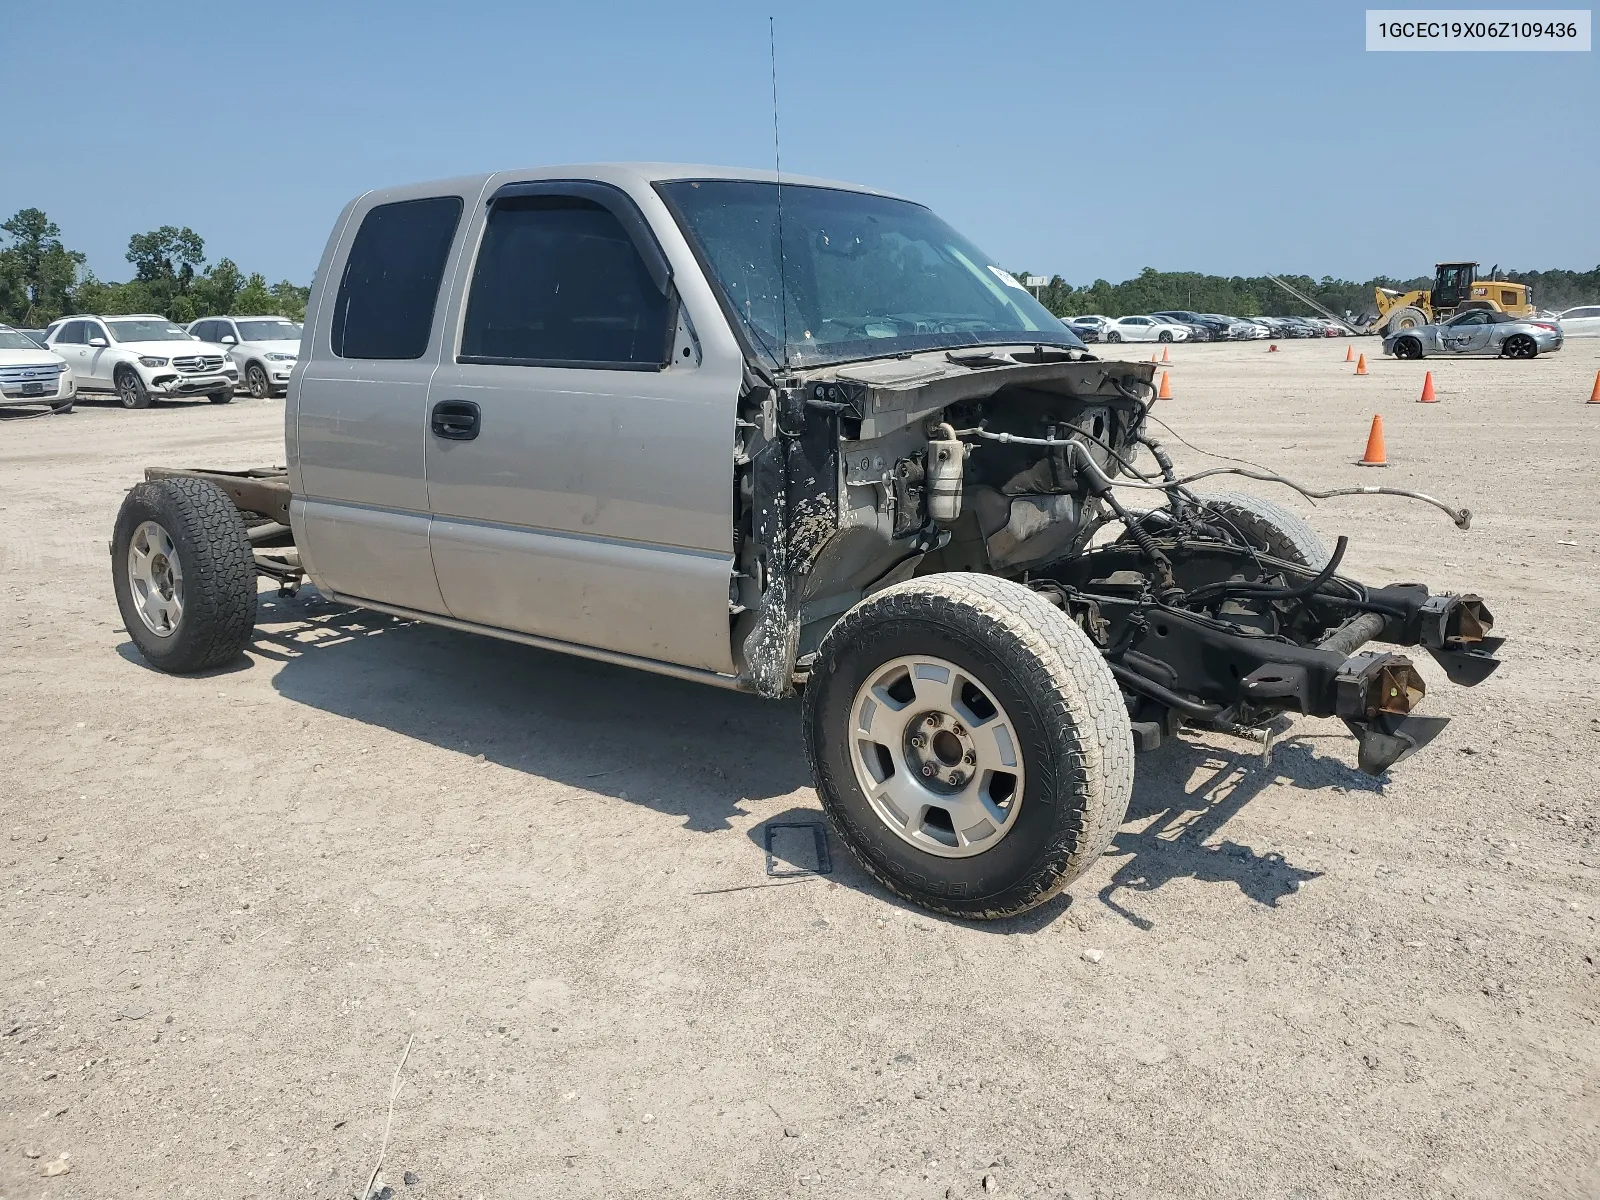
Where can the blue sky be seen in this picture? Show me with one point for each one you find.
(1081, 139)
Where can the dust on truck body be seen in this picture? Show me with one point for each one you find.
(771, 435)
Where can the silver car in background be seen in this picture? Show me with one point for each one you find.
(1477, 331)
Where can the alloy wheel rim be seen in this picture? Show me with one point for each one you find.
(129, 391)
(155, 578)
(258, 383)
(936, 756)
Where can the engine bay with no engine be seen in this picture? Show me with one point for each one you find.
(1008, 461)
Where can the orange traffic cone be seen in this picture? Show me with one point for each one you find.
(1272, 348)
(1375, 455)
(1166, 388)
(1349, 353)
(1594, 396)
(1166, 354)
(1427, 390)
(1152, 356)
(1361, 365)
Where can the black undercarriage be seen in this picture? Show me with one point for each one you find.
(1243, 637)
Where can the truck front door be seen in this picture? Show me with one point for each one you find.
(579, 451)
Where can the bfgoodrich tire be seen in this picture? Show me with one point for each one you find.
(968, 742)
(184, 575)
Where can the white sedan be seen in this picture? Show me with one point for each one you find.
(1581, 322)
(1142, 329)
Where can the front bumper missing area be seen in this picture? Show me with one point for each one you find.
(192, 385)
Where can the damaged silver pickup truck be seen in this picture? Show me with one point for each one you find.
(775, 434)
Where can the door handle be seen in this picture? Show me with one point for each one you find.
(456, 420)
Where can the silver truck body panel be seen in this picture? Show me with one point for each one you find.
(358, 439)
(596, 506)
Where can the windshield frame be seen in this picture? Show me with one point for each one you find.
(111, 324)
(1056, 334)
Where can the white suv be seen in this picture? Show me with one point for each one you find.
(29, 375)
(264, 349)
(141, 358)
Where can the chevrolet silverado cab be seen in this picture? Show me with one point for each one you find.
(771, 434)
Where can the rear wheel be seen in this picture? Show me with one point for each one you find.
(184, 575)
(969, 743)
(1520, 345)
(130, 389)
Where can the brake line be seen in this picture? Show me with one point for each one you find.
(1084, 462)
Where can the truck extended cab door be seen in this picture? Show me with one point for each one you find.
(357, 422)
(579, 447)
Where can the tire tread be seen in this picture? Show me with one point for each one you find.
(219, 574)
(1084, 702)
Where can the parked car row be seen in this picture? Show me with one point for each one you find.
(142, 357)
(1181, 325)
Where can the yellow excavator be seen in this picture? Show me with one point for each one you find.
(1456, 288)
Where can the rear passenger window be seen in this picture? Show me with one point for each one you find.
(560, 283)
(391, 279)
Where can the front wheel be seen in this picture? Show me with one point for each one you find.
(223, 397)
(131, 390)
(969, 743)
(1408, 347)
(255, 377)
(1113, 336)
(184, 574)
(1164, 336)
(1521, 346)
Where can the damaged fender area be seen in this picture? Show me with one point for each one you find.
(845, 483)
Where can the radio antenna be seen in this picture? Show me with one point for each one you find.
(777, 171)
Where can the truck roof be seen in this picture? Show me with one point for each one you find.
(645, 173)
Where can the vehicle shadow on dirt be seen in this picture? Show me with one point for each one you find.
(674, 746)
(1186, 793)
(699, 753)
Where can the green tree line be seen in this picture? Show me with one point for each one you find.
(41, 279)
(1257, 296)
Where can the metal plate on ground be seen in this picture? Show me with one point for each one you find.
(796, 848)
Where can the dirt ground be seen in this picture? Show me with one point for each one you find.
(231, 901)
